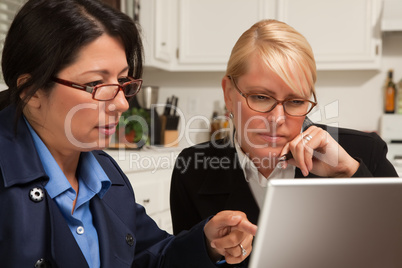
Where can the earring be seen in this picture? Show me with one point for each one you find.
(231, 115)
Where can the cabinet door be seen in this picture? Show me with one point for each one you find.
(158, 20)
(147, 192)
(208, 29)
(164, 27)
(344, 34)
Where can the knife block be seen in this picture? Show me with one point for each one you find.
(169, 133)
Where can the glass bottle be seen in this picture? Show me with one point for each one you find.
(390, 94)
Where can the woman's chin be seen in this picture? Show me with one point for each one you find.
(87, 146)
(103, 143)
(273, 154)
(263, 152)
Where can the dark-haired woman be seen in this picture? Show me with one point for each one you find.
(70, 66)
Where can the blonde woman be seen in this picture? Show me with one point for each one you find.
(269, 91)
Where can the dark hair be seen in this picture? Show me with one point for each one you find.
(46, 36)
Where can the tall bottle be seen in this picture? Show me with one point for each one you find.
(390, 94)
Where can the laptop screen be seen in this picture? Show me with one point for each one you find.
(324, 223)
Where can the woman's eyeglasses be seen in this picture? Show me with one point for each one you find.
(264, 103)
(106, 92)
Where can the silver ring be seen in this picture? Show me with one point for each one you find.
(243, 251)
(308, 137)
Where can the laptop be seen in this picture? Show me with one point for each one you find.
(330, 223)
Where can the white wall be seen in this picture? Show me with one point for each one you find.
(352, 99)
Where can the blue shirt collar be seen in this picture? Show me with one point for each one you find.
(89, 170)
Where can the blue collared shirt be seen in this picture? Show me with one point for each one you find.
(91, 180)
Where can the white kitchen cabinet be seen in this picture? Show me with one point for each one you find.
(209, 29)
(392, 19)
(158, 20)
(344, 34)
(193, 35)
(151, 190)
(149, 172)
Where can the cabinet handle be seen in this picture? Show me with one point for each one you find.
(146, 201)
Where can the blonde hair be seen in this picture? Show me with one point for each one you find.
(284, 51)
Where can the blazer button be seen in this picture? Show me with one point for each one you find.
(36, 194)
(42, 263)
(130, 240)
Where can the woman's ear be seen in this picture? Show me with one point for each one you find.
(33, 101)
(227, 93)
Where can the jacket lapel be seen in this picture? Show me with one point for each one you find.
(62, 240)
(113, 234)
(241, 197)
(114, 249)
(230, 185)
(110, 216)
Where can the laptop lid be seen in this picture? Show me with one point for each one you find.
(325, 223)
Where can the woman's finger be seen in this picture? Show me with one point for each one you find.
(236, 234)
(311, 140)
(226, 222)
(231, 240)
(297, 147)
(240, 251)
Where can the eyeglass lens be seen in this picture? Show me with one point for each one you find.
(107, 92)
(262, 103)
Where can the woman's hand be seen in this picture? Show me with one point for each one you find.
(229, 234)
(317, 152)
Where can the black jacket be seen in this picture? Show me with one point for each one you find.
(34, 233)
(208, 179)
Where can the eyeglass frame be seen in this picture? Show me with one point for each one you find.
(92, 90)
(244, 95)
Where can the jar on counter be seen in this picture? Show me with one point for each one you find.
(399, 98)
(219, 126)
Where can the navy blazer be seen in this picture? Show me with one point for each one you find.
(35, 232)
(208, 179)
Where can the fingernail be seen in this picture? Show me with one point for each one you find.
(281, 165)
(112, 107)
(236, 217)
(282, 158)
